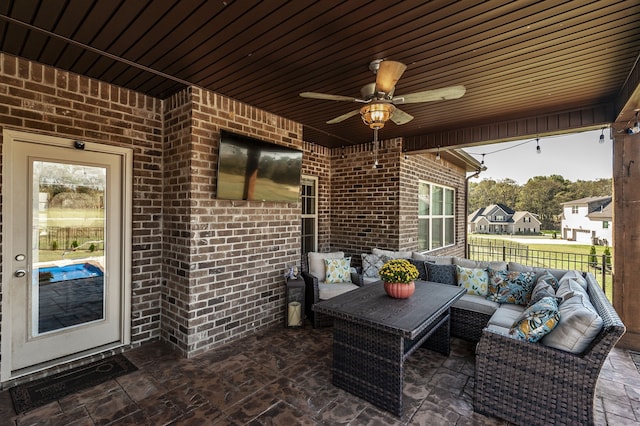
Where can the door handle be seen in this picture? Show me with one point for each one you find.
(20, 273)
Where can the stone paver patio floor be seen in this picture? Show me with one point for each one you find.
(283, 377)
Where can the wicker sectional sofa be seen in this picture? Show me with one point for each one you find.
(525, 383)
(533, 383)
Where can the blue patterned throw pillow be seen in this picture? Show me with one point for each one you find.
(510, 286)
(537, 320)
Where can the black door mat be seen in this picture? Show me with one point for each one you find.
(34, 394)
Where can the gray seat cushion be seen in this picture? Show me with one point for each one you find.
(392, 254)
(466, 263)
(474, 303)
(514, 266)
(327, 291)
(506, 315)
(579, 322)
(436, 260)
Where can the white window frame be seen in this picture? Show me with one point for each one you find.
(309, 181)
(432, 243)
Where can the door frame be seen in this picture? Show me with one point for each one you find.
(126, 158)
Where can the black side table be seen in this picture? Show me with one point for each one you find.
(294, 307)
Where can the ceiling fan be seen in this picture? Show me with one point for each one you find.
(380, 99)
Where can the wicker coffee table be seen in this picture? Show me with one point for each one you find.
(373, 334)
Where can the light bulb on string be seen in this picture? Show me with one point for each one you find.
(602, 136)
(438, 154)
(538, 150)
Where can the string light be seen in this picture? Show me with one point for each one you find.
(537, 140)
(438, 154)
(602, 136)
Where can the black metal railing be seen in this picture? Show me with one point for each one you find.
(57, 237)
(507, 251)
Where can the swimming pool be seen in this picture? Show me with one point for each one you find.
(71, 272)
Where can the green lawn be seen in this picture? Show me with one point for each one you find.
(52, 255)
(60, 217)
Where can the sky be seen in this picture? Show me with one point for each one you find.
(578, 156)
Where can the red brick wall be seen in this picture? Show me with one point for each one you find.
(224, 260)
(204, 270)
(40, 99)
(176, 247)
(378, 207)
(365, 201)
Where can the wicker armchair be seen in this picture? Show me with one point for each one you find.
(532, 384)
(312, 294)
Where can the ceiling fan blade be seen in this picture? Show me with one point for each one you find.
(327, 97)
(388, 75)
(368, 91)
(400, 117)
(344, 117)
(451, 92)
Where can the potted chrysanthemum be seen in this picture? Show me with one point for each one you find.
(398, 276)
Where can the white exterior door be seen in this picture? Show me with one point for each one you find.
(66, 244)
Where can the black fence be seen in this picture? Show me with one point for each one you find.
(599, 265)
(63, 238)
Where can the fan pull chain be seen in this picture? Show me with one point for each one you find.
(375, 148)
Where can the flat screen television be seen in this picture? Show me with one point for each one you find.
(252, 169)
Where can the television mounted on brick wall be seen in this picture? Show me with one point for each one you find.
(253, 169)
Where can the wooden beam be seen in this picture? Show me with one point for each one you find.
(588, 118)
(628, 100)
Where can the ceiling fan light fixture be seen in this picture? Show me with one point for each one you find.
(376, 114)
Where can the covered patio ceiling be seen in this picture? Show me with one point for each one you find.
(529, 67)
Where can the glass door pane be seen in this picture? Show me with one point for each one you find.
(68, 221)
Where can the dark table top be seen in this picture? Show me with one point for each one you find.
(371, 306)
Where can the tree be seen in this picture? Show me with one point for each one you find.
(489, 191)
(607, 257)
(540, 196)
(589, 188)
(593, 260)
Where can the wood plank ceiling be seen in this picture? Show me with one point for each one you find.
(517, 59)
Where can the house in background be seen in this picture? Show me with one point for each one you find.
(588, 220)
(500, 219)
